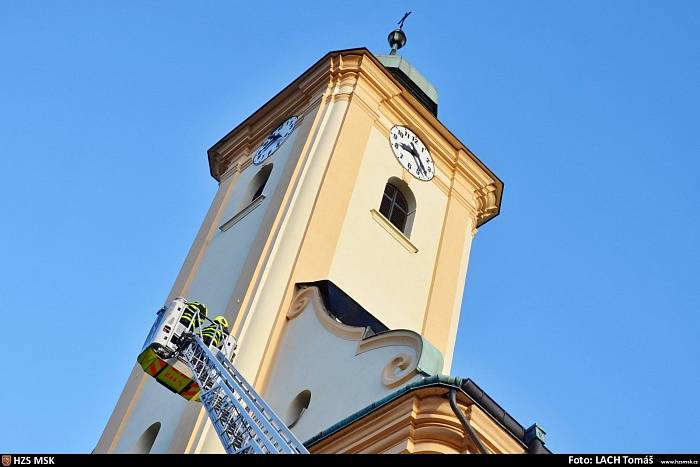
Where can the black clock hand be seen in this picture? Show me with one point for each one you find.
(407, 148)
(273, 137)
(414, 153)
(420, 165)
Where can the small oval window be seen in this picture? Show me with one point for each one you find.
(298, 407)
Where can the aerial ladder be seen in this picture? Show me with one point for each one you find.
(175, 354)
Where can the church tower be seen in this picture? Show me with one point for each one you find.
(336, 246)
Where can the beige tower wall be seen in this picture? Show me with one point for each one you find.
(371, 264)
(257, 325)
(217, 261)
(343, 369)
(316, 222)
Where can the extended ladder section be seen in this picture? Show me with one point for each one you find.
(243, 421)
(181, 353)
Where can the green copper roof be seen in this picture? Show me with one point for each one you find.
(430, 362)
(397, 61)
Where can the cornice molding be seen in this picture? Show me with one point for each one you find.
(420, 421)
(356, 75)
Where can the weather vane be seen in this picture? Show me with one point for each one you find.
(403, 19)
(397, 38)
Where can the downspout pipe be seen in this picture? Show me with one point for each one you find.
(465, 423)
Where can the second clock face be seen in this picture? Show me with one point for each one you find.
(412, 153)
(275, 140)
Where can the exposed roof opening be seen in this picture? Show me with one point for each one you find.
(343, 308)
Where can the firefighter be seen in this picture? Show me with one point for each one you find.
(194, 314)
(215, 331)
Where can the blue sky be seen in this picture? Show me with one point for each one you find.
(582, 303)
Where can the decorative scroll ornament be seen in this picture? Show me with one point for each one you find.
(402, 367)
(398, 370)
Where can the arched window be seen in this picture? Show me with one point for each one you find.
(252, 197)
(257, 184)
(398, 205)
(145, 442)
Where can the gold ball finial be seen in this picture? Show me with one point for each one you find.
(397, 38)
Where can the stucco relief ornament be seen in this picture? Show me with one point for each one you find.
(299, 303)
(398, 370)
(411, 348)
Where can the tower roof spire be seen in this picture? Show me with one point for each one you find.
(397, 38)
(407, 75)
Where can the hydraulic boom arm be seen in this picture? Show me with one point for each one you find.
(181, 354)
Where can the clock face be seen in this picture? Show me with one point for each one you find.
(412, 153)
(275, 140)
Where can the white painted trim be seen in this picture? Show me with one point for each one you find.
(242, 213)
(396, 233)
